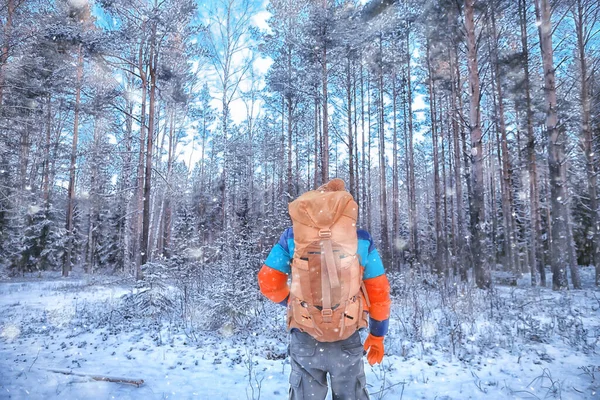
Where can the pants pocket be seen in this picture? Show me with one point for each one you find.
(296, 392)
(356, 351)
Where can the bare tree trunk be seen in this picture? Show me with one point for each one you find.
(369, 165)
(584, 35)
(506, 182)
(556, 154)
(451, 190)
(350, 133)
(137, 228)
(325, 137)
(536, 254)
(575, 276)
(439, 239)
(317, 140)
(126, 181)
(477, 207)
(290, 127)
(395, 176)
(290, 183)
(406, 257)
(10, 8)
(282, 148)
(444, 197)
(412, 200)
(224, 177)
(153, 62)
(46, 178)
(356, 167)
(297, 180)
(204, 137)
(71, 190)
(363, 199)
(492, 179)
(93, 198)
(24, 150)
(385, 248)
(168, 212)
(157, 201)
(460, 233)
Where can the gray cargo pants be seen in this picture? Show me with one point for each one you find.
(312, 360)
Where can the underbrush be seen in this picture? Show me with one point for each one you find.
(460, 320)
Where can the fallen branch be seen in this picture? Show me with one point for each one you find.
(533, 302)
(104, 378)
(35, 359)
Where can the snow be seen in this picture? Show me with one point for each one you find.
(531, 343)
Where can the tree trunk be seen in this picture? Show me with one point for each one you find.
(406, 255)
(587, 141)
(93, 199)
(363, 199)
(168, 212)
(356, 167)
(477, 207)
(536, 254)
(443, 192)
(460, 233)
(369, 165)
(510, 248)
(492, 178)
(412, 200)
(382, 168)
(71, 190)
(10, 8)
(350, 133)
(290, 123)
(395, 176)
(137, 228)
(556, 154)
(439, 232)
(317, 141)
(451, 189)
(46, 177)
(325, 134)
(126, 182)
(144, 248)
(157, 201)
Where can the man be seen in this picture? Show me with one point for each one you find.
(337, 278)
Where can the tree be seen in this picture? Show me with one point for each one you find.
(477, 204)
(536, 254)
(227, 45)
(556, 154)
(585, 16)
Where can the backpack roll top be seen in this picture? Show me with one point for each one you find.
(317, 211)
(325, 296)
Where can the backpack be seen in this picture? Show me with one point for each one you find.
(327, 296)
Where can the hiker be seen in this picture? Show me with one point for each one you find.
(338, 286)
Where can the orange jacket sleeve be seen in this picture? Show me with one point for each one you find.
(273, 284)
(378, 290)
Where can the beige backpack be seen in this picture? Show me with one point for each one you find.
(327, 299)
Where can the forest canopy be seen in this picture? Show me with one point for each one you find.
(175, 133)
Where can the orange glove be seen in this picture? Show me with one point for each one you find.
(374, 347)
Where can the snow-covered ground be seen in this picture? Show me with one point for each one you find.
(521, 343)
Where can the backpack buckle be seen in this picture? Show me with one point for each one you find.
(324, 233)
(327, 314)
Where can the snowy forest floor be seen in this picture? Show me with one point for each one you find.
(454, 342)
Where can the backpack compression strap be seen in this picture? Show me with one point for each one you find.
(329, 278)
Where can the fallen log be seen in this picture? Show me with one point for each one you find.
(104, 378)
